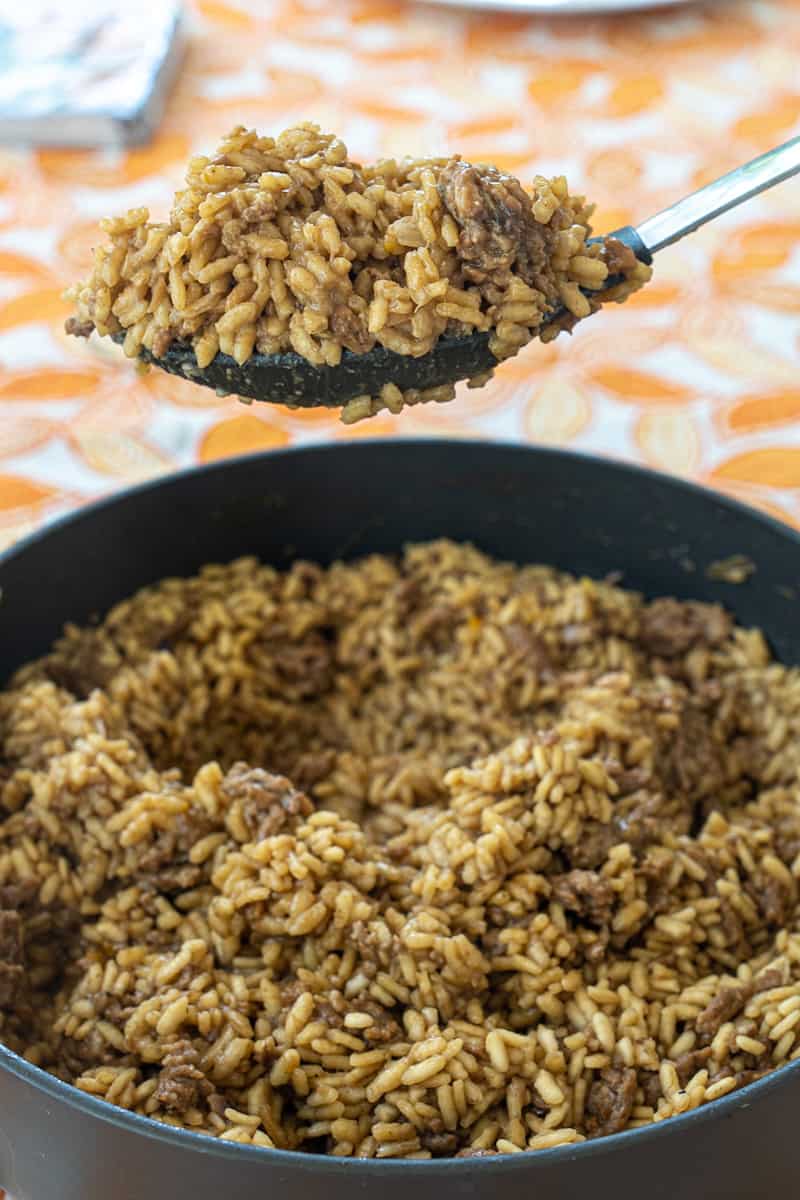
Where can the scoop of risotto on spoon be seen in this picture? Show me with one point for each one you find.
(288, 273)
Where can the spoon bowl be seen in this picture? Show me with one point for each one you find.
(290, 379)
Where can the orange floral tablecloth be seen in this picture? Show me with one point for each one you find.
(697, 375)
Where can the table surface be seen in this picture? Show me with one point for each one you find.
(697, 375)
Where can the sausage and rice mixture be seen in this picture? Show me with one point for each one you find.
(283, 244)
(411, 857)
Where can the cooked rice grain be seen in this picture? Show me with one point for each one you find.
(283, 244)
(402, 858)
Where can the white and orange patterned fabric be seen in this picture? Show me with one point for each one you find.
(697, 375)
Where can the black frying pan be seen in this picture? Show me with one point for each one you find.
(587, 515)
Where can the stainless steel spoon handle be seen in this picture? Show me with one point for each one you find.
(716, 198)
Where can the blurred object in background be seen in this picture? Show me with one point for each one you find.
(96, 74)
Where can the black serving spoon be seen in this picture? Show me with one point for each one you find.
(288, 378)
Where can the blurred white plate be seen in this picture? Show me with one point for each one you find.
(566, 7)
